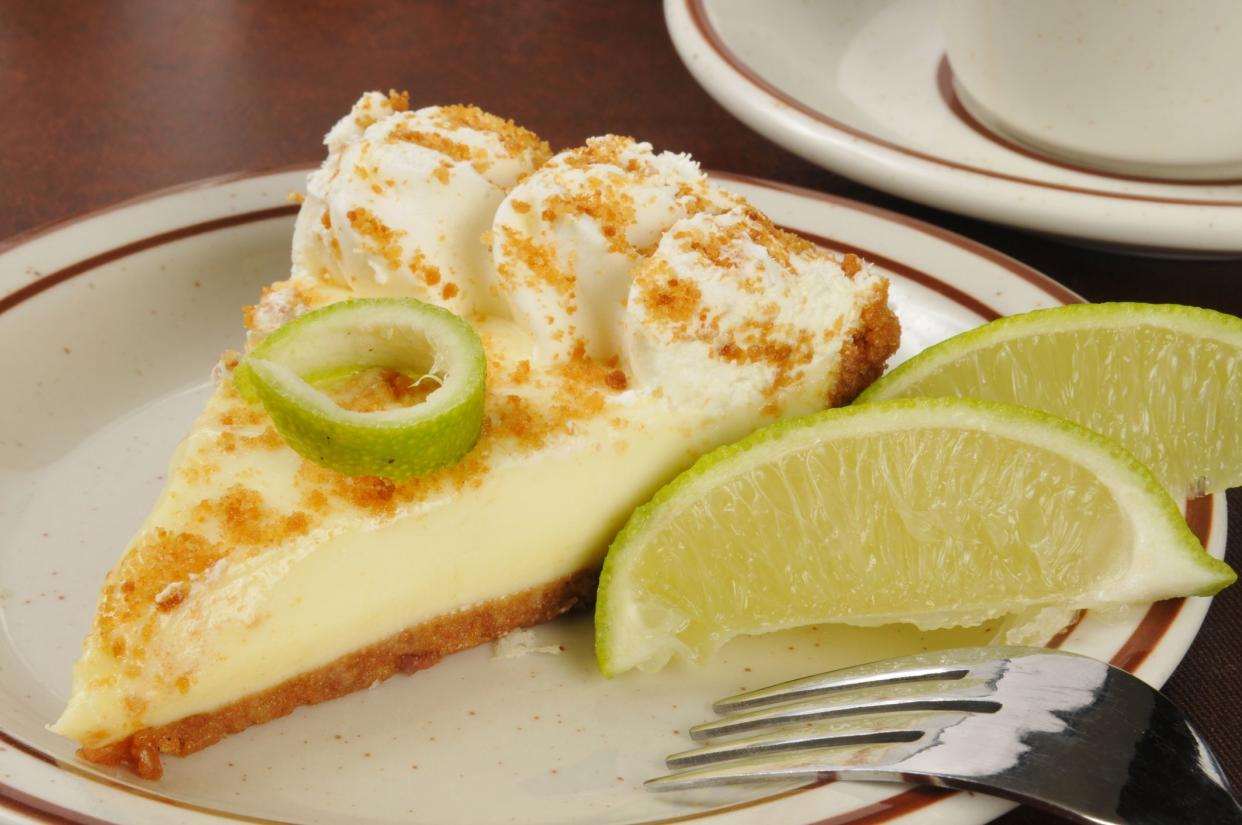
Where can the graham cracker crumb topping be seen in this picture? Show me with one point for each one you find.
(670, 299)
(851, 265)
(676, 308)
(366, 114)
(607, 203)
(382, 240)
(516, 140)
(436, 142)
(398, 101)
(539, 261)
(429, 273)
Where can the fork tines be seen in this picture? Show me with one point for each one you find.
(860, 713)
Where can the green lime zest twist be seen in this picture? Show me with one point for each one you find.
(397, 333)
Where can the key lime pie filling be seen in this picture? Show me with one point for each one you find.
(632, 316)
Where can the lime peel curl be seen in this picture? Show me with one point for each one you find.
(397, 333)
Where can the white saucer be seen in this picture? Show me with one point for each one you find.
(861, 87)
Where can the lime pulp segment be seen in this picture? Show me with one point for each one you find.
(397, 333)
(1164, 381)
(937, 512)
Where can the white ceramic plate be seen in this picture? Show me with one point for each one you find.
(861, 87)
(110, 327)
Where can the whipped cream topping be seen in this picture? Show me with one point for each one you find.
(567, 239)
(608, 251)
(733, 312)
(372, 106)
(402, 203)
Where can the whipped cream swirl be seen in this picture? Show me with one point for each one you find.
(567, 239)
(405, 198)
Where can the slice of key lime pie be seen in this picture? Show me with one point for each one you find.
(630, 316)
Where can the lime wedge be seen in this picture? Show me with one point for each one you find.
(938, 512)
(396, 333)
(1164, 381)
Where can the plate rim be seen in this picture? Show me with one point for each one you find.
(21, 806)
(25, 236)
(910, 173)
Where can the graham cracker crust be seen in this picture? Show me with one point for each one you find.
(866, 350)
(406, 652)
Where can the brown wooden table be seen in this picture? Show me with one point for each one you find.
(104, 101)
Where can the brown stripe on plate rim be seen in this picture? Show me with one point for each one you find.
(48, 281)
(39, 810)
(1151, 629)
(1055, 290)
(18, 744)
(910, 273)
(49, 811)
(947, 86)
(889, 808)
(698, 15)
(1064, 633)
(738, 806)
(28, 235)
(1161, 614)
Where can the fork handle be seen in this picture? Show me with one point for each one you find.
(1148, 766)
(1168, 775)
(1174, 777)
(1208, 805)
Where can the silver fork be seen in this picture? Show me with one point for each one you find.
(1047, 728)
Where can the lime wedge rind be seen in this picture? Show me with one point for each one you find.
(1119, 314)
(402, 334)
(631, 633)
(1195, 447)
